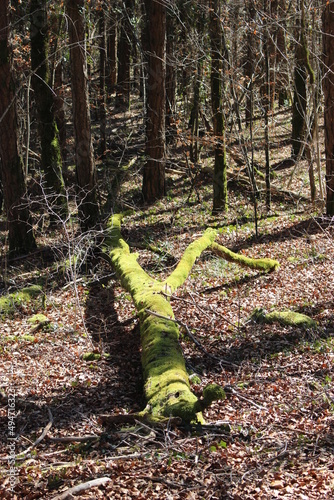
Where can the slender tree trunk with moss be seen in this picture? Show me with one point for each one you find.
(220, 167)
(41, 82)
(328, 87)
(20, 234)
(85, 163)
(166, 382)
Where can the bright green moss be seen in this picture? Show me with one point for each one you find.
(267, 265)
(38, 318)
(192, 252)
(289, 318)
(9, 303)
(91, 356)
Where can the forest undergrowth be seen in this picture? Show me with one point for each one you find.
(82, 359)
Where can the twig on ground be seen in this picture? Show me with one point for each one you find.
(72, 439)
(82, 487)
(229, 388)
(23, 454)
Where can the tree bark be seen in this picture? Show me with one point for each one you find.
(167, 388)
(328, 87)
(154, 169)
(302, 69)
(123, 56)
(41, 82)
(220, 167)
(85, 163)
(102, 82)
(20, 234)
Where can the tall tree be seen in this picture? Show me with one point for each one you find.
(154, 169)
(123, 56)
(302, 70)
(20, 235)
(41, 81)
(328, 88)
(102, 86)
(220, 168)
(85, 163)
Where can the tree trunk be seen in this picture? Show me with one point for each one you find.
(102, 96)
(167, 389)
(302, 69)
(20, 234)
(60, 110)
(220, 168)
(123, 56)
(170, 78)
(85, 163)
(154, 169)
(111, 80)
(48, 132)
(328, 87)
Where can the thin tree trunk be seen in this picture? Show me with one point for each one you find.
(102, 96)
(123, 56)
(170, 79)
(41, 82)
(328, 87)
(154, 169)
(267, 101)
(60, 110)
(111, 79)
(85, 163)
(20, 235)
(220, 167)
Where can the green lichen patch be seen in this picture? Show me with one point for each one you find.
(11, 302)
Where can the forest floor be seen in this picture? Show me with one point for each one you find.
(278, 379)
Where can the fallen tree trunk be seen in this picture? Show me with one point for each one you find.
(167, 389)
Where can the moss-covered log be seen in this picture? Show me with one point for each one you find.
(288, 318)
(167, 389)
